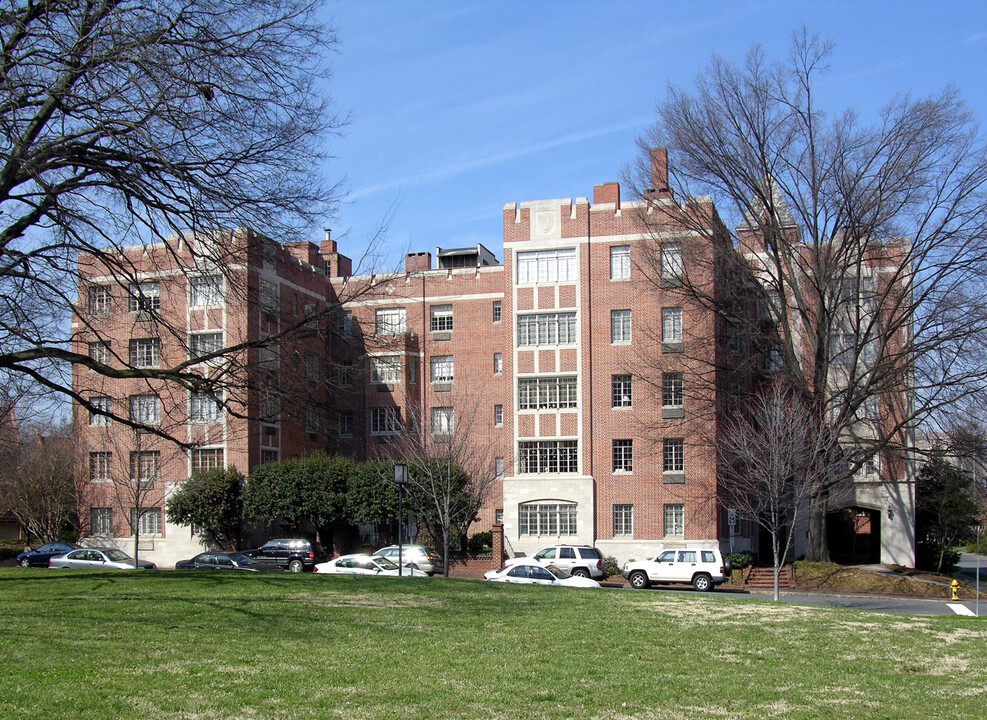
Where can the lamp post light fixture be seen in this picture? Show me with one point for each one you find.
(400, 479)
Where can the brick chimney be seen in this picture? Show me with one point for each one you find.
(659, 174)
(417, 262)
(607, 193)
(336, 265)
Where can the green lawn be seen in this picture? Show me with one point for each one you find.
(162, 645)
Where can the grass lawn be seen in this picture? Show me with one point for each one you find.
(162, 645)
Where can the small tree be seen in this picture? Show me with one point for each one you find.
(765, 467)
(946, 513)
(212, 500)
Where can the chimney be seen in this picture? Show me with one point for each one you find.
(659, 174)
(608, 193)
(336, 265)
(417, 262)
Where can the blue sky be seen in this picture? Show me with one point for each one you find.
(459, 108)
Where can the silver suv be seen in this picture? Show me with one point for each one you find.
(704, 568)
(578, 560)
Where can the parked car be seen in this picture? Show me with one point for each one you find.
(365, 565)
(41, 556)
(527, 573)
(98, 559)
(579, 560)
(223, 561)
(421, 557)
(704, 568)
(291, 554)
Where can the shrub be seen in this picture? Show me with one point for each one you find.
(741, 560)
(611, 565)
(480, 544)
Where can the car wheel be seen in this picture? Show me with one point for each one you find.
(639, 580)
(25, 563)
(702, 582)
(727, 567)
(580, 572)
(296, 566)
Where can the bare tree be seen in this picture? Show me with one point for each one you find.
(38, 485)
(149, 124)
(862, 246)
(765, 468)
(451, 467)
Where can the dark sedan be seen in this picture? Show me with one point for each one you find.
(41, 556)
(223, 561)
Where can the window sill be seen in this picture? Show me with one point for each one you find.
(673, 478)
(441, 335)
(672, 347)
(672, 412)
(441, 387)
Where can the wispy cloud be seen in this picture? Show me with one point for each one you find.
(976, 38)
(442, 173)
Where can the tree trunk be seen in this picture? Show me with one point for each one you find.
(818, 544)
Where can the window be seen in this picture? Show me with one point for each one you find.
(841, 349)
(269, 357)
(498, 415)
(548, 456)
(623, 451)
(344, 375)
(545, 519)
(99, 466)
(270, 301)
(149, 522)
(144, 468)
(203, 407)
(100, 352)
(312, 366)
(620, 262)
(442, 369)
(101, 522)
(384, 421)
(145, 353)
(674, 456)
(441, 318)
(546, 329)
(620, 386)
(498, 516)
(346, 425)
(623, 520)
(497, 311)
(102, 405)
(671, 325)
(734, 342)
(672, 394)
(671, 263)
(202, 344)
(546, 266)
(390, 321)
(204, 459)
(498, 363)
(412, 369)
(385, 370)
(268, 456)
(443, 421)
(145, 409)
(499, 467)
(270, 405)
(546, 393)
(205, 291)
(144, 297)
(674, 520)
(620, 326)
(344, 322)
(312, 421)
(100, 301)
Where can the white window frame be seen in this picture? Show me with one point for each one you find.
(145, 352)
(145, 409)
(623, 455)
(621, 391)
(345, 425)
(674, 520)
(546, 266)
(548, 393)
(671, 325)
(672, 390)
(673, 455)
(671, 263)
(206, 291)
(312, 366)
(542, 329)
(623, 520)
(620, 327)
(385, 369)
(620, 262)
(498, 363)
(498, 311)
(100, 402)
(441, 368)
(149, 522)
(101, 522)
(205, 408)
(498, 415)
(548, 457)
(145, 468)
(540, 519)
(144, 297)
(443, 421)
(206, 343)
(100, 351)
(384, 421)
(198, 461)
(100, 301)
(390, 321)
(99, 466)
(440, 318)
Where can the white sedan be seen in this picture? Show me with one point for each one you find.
(364, 565)
(530, 574)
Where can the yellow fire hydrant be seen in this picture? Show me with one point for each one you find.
(954, 586)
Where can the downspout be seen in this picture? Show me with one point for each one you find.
(589, 360)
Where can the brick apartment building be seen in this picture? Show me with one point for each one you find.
(593, 388)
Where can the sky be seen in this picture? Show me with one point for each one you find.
(456, 109)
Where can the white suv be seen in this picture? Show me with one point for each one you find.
(705, 569)
(578, 560)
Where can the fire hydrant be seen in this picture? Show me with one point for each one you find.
(954, 586)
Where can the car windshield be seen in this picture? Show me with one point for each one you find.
(560, 574)
(117, 556)
(241, 559)
(385, 563)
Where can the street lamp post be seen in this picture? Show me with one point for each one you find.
(400, 479)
